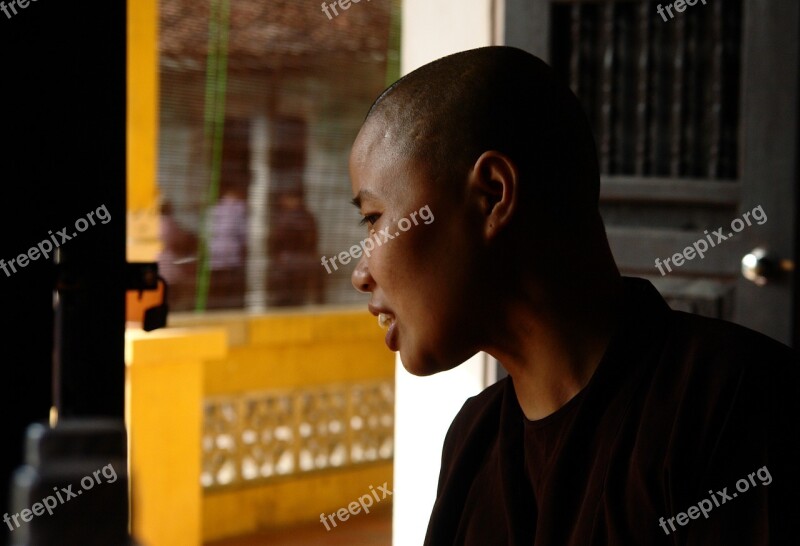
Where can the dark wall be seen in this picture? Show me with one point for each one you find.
(62, 155)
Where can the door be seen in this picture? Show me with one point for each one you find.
(695, 118)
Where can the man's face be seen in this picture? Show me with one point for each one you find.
(425, 278)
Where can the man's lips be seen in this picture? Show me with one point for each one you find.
(382, 313)
(387, 321)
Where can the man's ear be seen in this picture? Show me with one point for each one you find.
(494, 183)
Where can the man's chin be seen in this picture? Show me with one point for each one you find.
(421, 366)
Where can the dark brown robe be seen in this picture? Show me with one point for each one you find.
(679, 411)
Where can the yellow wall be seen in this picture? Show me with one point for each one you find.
(282, 351)
(170, 371)
(244, 511)
(288, 351)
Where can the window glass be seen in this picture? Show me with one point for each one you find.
(259, 104)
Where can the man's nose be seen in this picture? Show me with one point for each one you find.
(361, 278)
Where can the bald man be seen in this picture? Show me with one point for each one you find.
(621, 421)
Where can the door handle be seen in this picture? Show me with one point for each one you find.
(761, 266)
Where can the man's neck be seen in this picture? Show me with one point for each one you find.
(553, 345)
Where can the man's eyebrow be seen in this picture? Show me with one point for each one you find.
(356, 201)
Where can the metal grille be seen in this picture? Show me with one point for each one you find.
(662, 96)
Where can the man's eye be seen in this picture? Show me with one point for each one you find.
(369, 219)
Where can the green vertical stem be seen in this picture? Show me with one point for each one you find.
(393, 50)
(214, 125)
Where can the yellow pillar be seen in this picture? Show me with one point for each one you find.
(142, 130)
(164, 401)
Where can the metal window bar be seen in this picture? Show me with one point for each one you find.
(662, 96)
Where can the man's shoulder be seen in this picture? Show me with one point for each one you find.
(731, 365)
(483, 405)
(477, 418)
(727, 399)
(737, 379)
(714, 342)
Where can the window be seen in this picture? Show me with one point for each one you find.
(259, 105)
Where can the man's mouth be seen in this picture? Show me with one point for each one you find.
(385, 321)
(388, 322)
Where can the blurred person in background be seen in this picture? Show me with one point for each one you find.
(294, 276)
(177, 261)
(228, 249)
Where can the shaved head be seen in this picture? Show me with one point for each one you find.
(447, 113)
(500, 151)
